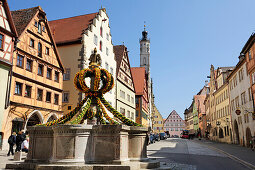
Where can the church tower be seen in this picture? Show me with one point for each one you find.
(145, 51)
(145, 62)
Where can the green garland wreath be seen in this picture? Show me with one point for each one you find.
(78, 115)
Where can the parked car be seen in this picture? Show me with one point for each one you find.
(185, 134)
(162, 136)
(152, 138)
(157, 138)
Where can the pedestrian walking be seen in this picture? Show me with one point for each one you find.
(19, 139)
(11, 141)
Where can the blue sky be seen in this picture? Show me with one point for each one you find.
(187, 36)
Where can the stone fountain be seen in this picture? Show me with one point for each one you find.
(87, 137)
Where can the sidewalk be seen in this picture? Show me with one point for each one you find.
(243, 153)
(4, 159)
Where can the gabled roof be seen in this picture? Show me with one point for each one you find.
(23, 17)
(138, 74)
(173, 112)
(10, 19)
(70, 29)
(120, 51)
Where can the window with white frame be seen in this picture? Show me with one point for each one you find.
(122, 94)
(111, 70)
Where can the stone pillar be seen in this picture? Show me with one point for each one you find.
(71, 143)
(109, 144)
(137, 143)
(40, 144)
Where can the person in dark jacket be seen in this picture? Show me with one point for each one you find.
(19, 140)
(11, 141)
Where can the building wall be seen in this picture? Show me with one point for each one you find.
(241, 122)
(23, 107)
(4, 74)
(123, 102)
(88, 41)
(222, 117)
(70, 54)
(70, 64)
(158, 125)
(174, 124)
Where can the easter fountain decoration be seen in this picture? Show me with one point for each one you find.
(87, 136)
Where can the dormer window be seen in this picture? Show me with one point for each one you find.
(249, 54)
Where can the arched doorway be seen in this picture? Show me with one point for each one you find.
(248, 136)
(52, 117)
(236, 131)
(33, 120)
(221, 133)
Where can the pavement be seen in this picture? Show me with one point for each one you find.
(200, 155)
(4, 159)
(183, 154)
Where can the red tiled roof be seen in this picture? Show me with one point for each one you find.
(138, 74)
(70, 29)
(23, 17)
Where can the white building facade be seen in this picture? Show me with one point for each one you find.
(125, 96)
(76, 38)
(241, 104)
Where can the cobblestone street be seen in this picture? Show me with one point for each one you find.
(200, 155)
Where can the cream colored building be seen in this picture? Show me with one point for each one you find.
(158, 124)
(220, 118)
(76, 37)
(241, 99)
(125, 98)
